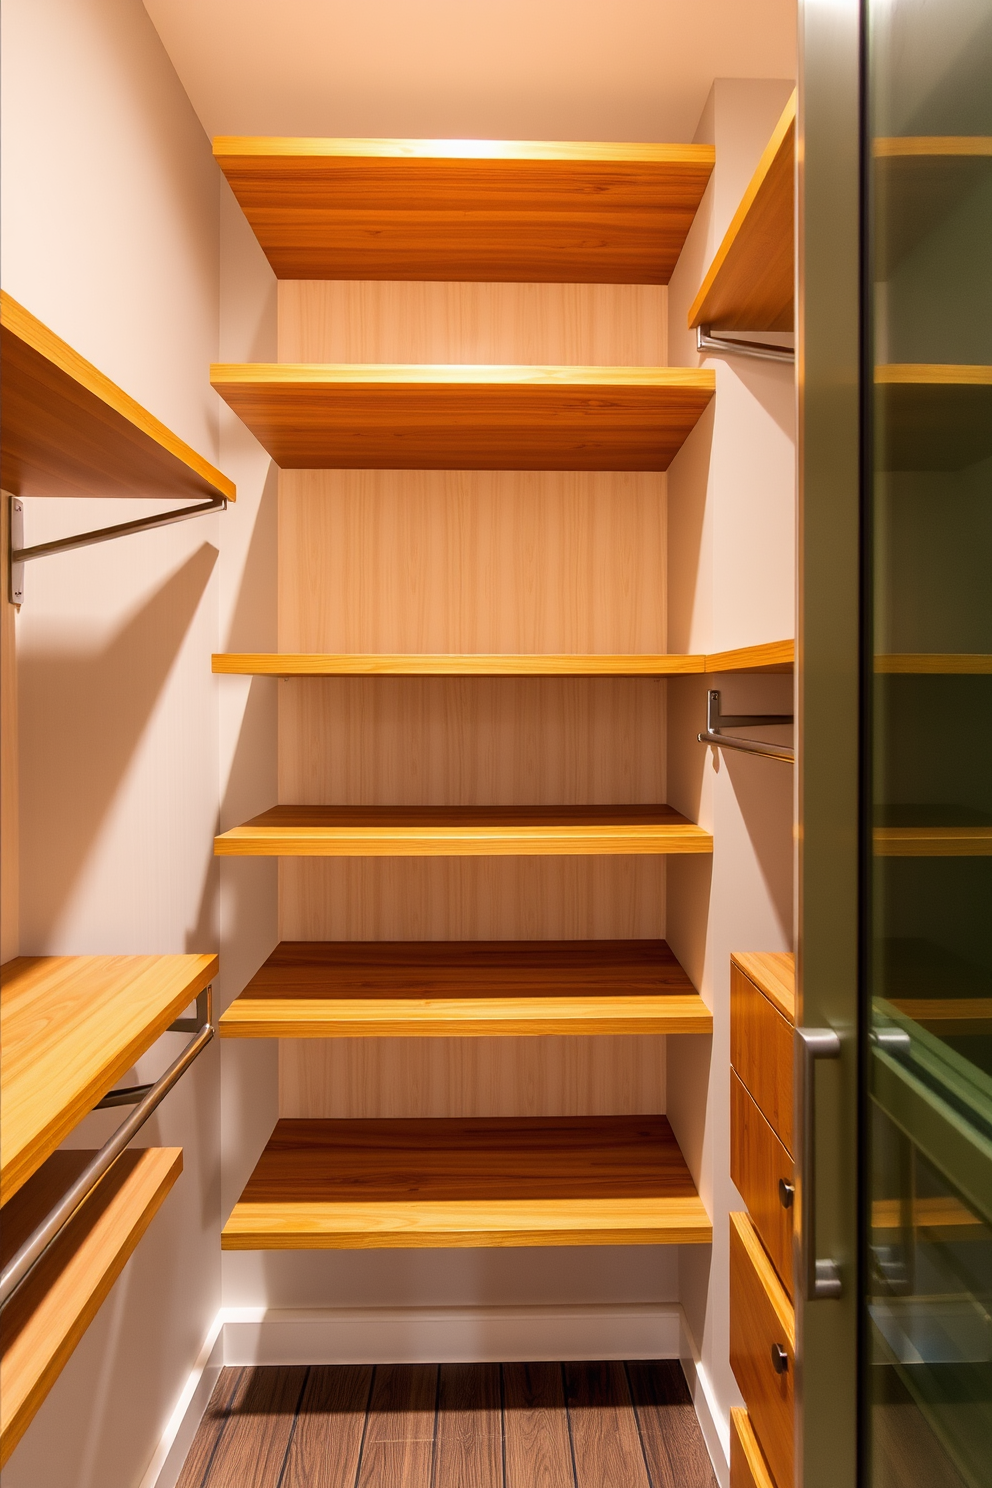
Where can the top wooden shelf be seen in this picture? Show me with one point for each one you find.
(521, 210)
(919, 179)
(69, 431)
(71, 1026)
(750, 283)
(933, 416)
(774, 974)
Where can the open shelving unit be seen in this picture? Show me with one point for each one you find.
(455, 989)
(71, 1026)
(524, 210)
(749, 286)
(318, 416)
(51, 1311)
(585, 1180)
(462, 831)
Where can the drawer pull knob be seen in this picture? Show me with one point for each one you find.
(786, 1193)
(780, 1359)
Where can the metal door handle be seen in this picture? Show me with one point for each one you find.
(820, 1279)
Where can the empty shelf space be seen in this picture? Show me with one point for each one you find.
(54, 1306)
(460, 831)
(769, 656)
(749, 286)
(488, 210)
(946, 994)
(774, 973)
(574, 1180)
(71, 1026)
(934, 663)
(378, 416)
(515, 664)
(933, 417)
(918, 181)
(69, 431)
(464, 989)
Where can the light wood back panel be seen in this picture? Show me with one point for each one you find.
(452, 561)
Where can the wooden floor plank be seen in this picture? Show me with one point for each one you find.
(468, 1451)
(252, 1448)
(399, 1437)
(536, 1445)
(209, 1431)
(605, 1438)
(670, 1435)
(327, 1443)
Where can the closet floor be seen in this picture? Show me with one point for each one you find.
(606, 1425)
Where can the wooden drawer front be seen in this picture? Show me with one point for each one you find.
(761, 1052)
(748, 1468)
(761, 1319)
(758, 1162)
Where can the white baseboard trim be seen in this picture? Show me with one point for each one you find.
(177, 1438)
(418, 1335)
(714, 1423)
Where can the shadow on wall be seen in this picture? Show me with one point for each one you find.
(765, 801)
(82, 715)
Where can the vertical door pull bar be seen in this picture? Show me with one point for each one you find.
(820, 1278)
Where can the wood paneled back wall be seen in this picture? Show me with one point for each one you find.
(471, 561)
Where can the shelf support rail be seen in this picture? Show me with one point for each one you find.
(765, 351)
(35, 1246)
(717, 721)
(19, 554)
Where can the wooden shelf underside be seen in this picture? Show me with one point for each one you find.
(72, 1025)
(49, 1314)
(463, 831)
(323, 416)
(69, 431)
(749, 286)
(932, 417)
(775, 656)
(919, 180)
(526, 211)
(466, 989)
(595, 1180)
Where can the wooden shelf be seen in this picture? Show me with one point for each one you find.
(932, 417)
(913, 832)
(918, 181)
(466, 989)
(462, 831)
(936, 664)
(774, 973)
(581, 1180)
(69, 431)
(522, 210)
(775, 656)
(380, 416)
(51, 1311)
(71, 1026)
(749, 286)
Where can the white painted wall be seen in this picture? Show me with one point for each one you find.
(731, 523)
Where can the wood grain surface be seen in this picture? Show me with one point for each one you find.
(208, 1434)
(920, 663)
(358, 417)
(69, 431)
(338, 1397)
(774, 974)
(670, 1435)
(459, 831)
(71, 1026)
(761, 1052)
(932, 842)
(468, 1444)
(769, 656)
(260, 1419)
(50, 1312)
(297, 664)
(10, 940)
(399, 1435)
(374, 1184)
(478, 210)
(455, 989)
(605, 1437)
(748, 1468)
(749, 286)
(932, 417)
(761, 1316)
(537, 1449)
(758, 1162)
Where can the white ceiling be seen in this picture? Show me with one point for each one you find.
(515, 69)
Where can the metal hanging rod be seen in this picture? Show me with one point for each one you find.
(37, 1243)
(716, 721)
(765, 351)
(19, 554)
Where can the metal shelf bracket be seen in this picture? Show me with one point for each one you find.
(764, 351)
(19, 554)
(717, 721)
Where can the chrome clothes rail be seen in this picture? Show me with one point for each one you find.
(764, 351)
(716, 721)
